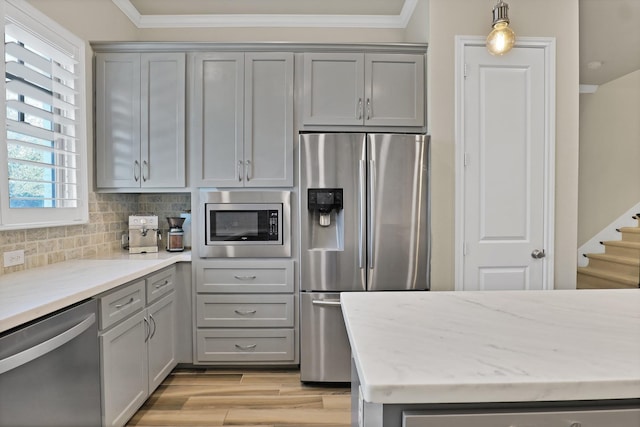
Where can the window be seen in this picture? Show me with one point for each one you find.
(43, 168)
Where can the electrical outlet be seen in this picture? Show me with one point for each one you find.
(13, 258)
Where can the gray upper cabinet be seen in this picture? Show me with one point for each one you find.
(372, 89)
(242, 119)
(140, 120)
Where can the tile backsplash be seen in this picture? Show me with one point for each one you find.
(108, 220)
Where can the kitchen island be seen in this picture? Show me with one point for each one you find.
(500, 358)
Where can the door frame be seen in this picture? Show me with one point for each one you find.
(548, 45)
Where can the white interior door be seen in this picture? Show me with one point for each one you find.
(506, 171)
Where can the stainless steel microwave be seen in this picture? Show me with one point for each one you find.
(245, 224)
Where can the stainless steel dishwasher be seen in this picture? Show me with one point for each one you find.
(50, 370)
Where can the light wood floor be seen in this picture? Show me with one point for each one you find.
(265, 398)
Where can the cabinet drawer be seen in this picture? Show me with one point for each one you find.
(244, 311)
(245, 276)
(122, 302)
(245, 345)
(583, 418)
(160, 283)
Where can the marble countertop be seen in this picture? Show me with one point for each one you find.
(29, 294)
(496, 346)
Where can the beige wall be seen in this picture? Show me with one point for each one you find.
(91, 20)
(609, 154)
(449, 18)
(417, 30)
(101, 20)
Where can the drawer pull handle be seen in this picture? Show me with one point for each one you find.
(124, 304)
(245, 277)
(158, 286)
(245, 347)
(245, 312)
(327, 302)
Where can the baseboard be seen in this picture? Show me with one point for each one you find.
(607, 233)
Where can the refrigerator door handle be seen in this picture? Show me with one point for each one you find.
(329, 302)
(362, 218)
(372, 212)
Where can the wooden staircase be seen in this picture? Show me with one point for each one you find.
(618, 266)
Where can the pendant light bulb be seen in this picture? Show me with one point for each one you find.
(502, 38)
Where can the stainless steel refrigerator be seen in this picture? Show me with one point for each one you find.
(364, 225)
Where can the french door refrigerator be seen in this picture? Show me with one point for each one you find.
(364, 226)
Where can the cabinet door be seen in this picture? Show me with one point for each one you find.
(268, 120)
(162, 339)
(124, 369)
(217, 120)
(118, 120)
(394, 90)
(162, 155)
(333, 89)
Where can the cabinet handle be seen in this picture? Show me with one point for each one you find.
(327, 302)
(147, 329)
(248, 169)
(245, 347)
(368, 109)
(145, 171)
(359, 112)
(124, 304)
(239, 170)
(166, 282)
(245, 312)
(245, 277)
(154, 326)
(136, 170)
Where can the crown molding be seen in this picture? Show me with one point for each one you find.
(275, 20)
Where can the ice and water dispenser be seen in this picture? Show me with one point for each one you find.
(326, 225)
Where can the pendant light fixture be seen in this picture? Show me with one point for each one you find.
(502, 38)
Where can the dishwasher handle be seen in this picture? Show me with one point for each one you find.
(45, 347)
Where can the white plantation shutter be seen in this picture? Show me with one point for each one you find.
(45, 179)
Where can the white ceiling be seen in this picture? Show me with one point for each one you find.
(609, 29)
(609, 33)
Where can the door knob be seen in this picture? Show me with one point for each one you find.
(537, 254)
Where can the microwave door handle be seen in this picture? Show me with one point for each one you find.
(362, 218)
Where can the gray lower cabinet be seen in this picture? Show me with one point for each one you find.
(138, 343)
(245, 312)
(242, 119)
(124, 369)
(364, 89)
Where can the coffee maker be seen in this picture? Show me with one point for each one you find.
(143, 234)
(175, 236)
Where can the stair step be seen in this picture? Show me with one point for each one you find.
(630, 234)
(615, 264)
(615, 258)
(622, 248)
(606, 279)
